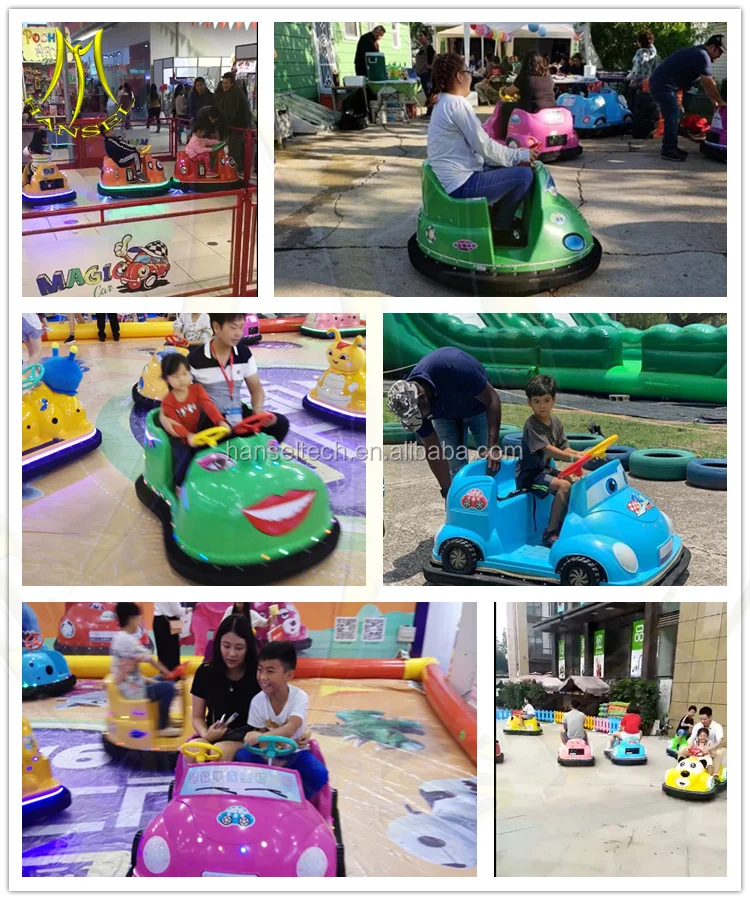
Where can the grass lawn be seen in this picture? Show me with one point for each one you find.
(703, 440)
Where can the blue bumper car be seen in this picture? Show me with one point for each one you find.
(627, 753)
(602, 112)
(45, 672)
(612, 534)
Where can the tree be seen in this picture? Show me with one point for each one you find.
(643, 692)
(616, 42)
(501, 654)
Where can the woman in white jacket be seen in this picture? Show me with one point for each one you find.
(465, 159)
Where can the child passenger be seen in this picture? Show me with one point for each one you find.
(203, 141)
(630, 726)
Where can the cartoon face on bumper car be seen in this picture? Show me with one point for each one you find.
(88, 628)
(151, 388)
(142, 268)
(689, 779)
(612, 533)
(242, 504)
(204, 831)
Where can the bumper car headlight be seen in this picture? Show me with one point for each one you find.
(312, 863)
(626, 557)
(156, 855)
(574, 242)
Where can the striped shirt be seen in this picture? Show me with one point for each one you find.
(207, 372)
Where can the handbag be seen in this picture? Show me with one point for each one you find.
(175, 626)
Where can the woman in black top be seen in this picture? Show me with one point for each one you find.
(533, 87)
(226, 685)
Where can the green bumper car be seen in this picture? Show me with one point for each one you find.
(454, 243)
(245, 514)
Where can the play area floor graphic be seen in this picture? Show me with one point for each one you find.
(83, 523)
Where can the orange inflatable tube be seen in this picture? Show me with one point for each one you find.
(284, 323)
(458, 717)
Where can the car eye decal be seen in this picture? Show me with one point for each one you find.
(612, 485)
(216, 462)
(596, 493)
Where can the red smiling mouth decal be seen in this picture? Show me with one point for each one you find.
(278, 515)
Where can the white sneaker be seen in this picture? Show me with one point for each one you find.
(170, 732)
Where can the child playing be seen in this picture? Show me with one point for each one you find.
(543, 440)
(527, 711)
(38, 151)
(281, 708)
(184, 411)
(687, 721)
(701, 748)
(123, 153)
(203, 141)
(127, 652)
(630, 726)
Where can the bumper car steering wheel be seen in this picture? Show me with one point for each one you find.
(274, 745)
(210, 437)
(176, 340)
(253, 424)
(575, 468)
(32, 375)
(201, 751)
(32, 640)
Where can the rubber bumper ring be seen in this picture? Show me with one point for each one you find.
(710, 474)
(660, 464)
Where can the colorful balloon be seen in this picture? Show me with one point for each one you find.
(542, 31)
(533, 27)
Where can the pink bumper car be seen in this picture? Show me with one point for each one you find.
(251, 332)
(234, 818)
(551, 129)
(576, 753)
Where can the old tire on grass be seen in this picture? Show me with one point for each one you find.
(660, 464)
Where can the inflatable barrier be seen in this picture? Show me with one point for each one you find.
(281, 324)
(675, 363)
(457, 716)
(88, 331)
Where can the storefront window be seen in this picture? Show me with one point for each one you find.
(666, 644)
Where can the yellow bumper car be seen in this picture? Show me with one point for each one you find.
(689, 779)
(151, 388)
(42, 795)
(340, 395)
(518, 725)
(45, 186)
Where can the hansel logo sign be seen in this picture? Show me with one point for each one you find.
(78, 51)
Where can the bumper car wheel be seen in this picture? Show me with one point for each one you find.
(459, 556)
(580, 571)
(134, 852)
(340, 862)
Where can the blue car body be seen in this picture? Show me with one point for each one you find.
(45, 674)
(627, 753)
(605, 110)
(612, 534)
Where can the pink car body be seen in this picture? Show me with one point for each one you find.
(551, 129)
(251, 332)
(286, 625)
(575, 753)
(232, 818)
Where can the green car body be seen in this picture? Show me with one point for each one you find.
(454, 241)
(242, 505)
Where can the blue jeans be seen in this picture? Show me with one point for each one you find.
(312, 772)
(667, 102)
(161, 692)
(503, 188)
(453, 435)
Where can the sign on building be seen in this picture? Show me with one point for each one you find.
(582, 653)
(561, 659)
(599, 654)
(636, 649)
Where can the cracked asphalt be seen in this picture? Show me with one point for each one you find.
(346, 205)
(604, 820)
(414, 511)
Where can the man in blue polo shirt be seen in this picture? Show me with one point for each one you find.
(446, 396)
(677, 73)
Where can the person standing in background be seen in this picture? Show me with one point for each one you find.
(101, 324)
(167, 627)
(423, 66)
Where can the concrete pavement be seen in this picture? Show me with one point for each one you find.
(605, 820)
(347, 203)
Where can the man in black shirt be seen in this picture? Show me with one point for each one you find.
(368, 43)
(423, 64)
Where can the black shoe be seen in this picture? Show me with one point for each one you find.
(117, 337)
(102, 337)
(508, 237)
(674, 155)
(549, 538)
(70, 339)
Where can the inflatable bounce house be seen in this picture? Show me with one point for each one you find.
(340, 394)
(590, 353)
(54, 423)
(321, 325)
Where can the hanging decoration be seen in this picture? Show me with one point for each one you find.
(533, 27)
